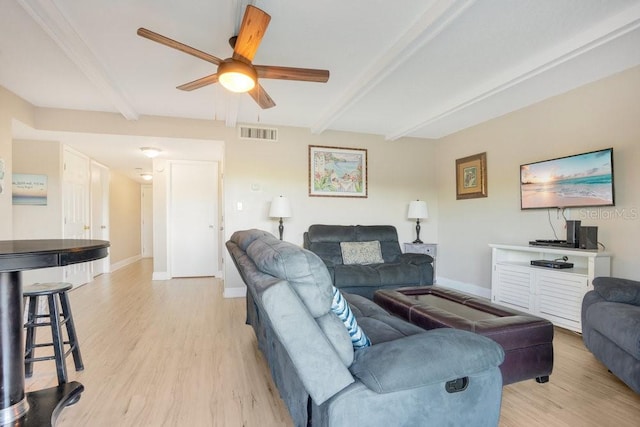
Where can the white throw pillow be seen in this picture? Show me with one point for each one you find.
(361, 252)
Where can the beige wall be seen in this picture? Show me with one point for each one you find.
(33, 222)
(11, 107)
(43, 158)
(599, 115)
(39, 222)
(398, 172)
(255, 172)
(124, 217)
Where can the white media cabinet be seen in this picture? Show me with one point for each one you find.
(554, 294)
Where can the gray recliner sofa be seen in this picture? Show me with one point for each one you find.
(611, 326)
(407, 376)
(398, 269)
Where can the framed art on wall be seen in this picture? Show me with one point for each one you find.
(29, 189)
(471, 177)
(337, 172)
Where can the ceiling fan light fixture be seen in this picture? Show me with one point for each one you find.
(237, 76)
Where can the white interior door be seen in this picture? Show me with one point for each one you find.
(100, 212)
(194, 219)
(147, 221)
(75, 205)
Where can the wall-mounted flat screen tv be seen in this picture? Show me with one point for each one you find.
(582, 180)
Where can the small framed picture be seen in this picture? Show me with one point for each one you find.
(471, 176)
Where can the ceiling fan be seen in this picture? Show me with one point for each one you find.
(238, 73)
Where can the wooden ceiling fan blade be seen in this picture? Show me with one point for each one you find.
(261, 97)
(159, 38)
(291, 73)
(254, 24)
(197, 84)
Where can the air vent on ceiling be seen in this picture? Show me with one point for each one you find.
(255, 133)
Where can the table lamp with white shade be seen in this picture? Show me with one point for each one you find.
(280, 208)
(417, 210)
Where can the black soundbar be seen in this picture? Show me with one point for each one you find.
(554, 243)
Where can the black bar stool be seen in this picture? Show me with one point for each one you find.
(57, 318)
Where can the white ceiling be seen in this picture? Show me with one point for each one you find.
(412, 68)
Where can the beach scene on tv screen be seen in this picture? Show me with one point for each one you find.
(581, 180)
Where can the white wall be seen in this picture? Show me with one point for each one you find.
(600, 115)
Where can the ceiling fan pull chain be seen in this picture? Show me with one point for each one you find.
(259, 111)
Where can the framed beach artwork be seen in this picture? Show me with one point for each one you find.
(337, 172)
(29, 189)
(471, 176)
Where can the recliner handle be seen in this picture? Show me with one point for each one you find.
(457, 385)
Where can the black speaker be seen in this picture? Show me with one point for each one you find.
(573, 233)
(588, 237)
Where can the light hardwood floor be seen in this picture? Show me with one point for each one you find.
(176, 353)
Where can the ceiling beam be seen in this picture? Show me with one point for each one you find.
(597, 35)
(436, 18)
(47, 15)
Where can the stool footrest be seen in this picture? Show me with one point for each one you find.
(41, 358)
(34, 324)
(49, 344)
(59, 317)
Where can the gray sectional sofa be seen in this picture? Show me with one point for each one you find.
(396, 269)
(611, 326)
(406, 377)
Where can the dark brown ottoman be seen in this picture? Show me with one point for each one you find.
(527, 340)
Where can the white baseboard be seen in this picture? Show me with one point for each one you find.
(160, 275)
(468, 288)
(235, 292)
(125, 262)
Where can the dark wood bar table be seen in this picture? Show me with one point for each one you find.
(41, 407)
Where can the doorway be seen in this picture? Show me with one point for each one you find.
(76, 208)
(100, 212)
(194, 218)
(147, 220)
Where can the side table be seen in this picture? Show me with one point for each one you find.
(423, 248)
